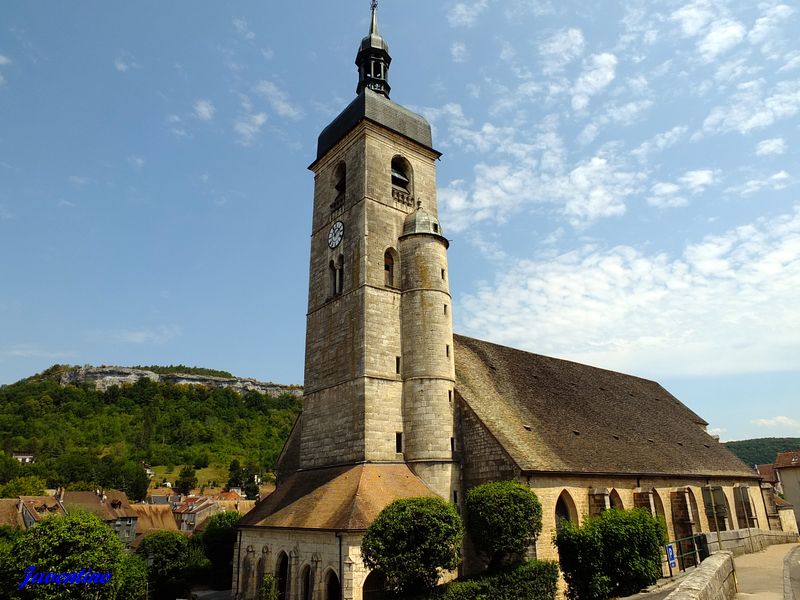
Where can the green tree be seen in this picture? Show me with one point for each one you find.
(23, 486)
(219, 539)
(187, 480)
(503, 519)
(167, 554)
(71, 544)
(235, 474)
(411, 540)
(9, 467)
(615, 554)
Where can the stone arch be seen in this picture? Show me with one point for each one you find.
(658, 506)
(306, 582)
(282, 575)
(614, 500)
(402, 176)
(565, 509)
(391, 264)
(331, 587)
(375, 586)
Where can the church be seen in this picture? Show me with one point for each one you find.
(397, 406)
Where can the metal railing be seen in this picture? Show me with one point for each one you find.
(680, 555)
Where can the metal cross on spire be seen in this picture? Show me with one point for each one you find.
(374, 4)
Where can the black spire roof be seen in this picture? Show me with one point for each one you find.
(373, 60)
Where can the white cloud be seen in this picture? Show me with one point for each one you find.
(698, 181)
(779, 421)
(159, 335)
(727, 304)
(5, 214)
(792, 62)
(125, 62)
(458, 51)
(561, 48)
(137, 162)
(243, 29)
(279, 100)
(694, 17)
(79, 181)
(771, 147)
(619, 114)
(778, 181)
(32, 351)
(660, 142)
(666, 195)
(248, 127)
(766, 31)
(599, 71)
(465, 14)
(204, 110)
(723, 35)
(4, 60)
(752, 108)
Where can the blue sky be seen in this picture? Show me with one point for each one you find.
(619, 181)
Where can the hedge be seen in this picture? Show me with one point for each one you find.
(532, 580)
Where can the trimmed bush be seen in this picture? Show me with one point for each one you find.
(615, 554)
(532, 580)
(503, 519)
(411, 540)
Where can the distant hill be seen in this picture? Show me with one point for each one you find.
(760, 451)
(78, 421)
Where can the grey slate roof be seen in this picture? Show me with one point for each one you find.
(378, 109)
(554, 415)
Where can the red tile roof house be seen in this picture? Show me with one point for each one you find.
(193, 511)
(111, 506)
(787, 466)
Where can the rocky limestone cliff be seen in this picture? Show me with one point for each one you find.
(105, 377)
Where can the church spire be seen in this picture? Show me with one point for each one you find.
(373, 59)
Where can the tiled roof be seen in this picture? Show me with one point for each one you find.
(9, 513)
(114, 506)
(344, 498)
(768, 473)
(554, 415)
(194, 504)
(153, 517)
(40, 507)
(786, 460)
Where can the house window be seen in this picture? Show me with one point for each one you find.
(401, 175)
(398, 442)
(339, 187)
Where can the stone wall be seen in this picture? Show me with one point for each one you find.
(105, 377)
(788, 519)
(714, 579)
(747, 541)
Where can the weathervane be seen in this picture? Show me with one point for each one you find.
(374, 4)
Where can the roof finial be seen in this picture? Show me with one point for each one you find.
(373, 59)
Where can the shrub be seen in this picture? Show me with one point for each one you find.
(411, 540)
(615, 554)
(503, 519)
(532, 580)
(269, 588)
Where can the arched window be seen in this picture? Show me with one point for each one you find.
(306, 591)
(339, 187)
(615, 501)
(389, 262)
(333, 590)
(658, 505)
(375, 586)
(401, 176)
(282, 575)
(565, 509)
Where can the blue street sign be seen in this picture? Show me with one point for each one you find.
(671, 556)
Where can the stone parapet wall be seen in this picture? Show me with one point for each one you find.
(748, 541)
(714, 579)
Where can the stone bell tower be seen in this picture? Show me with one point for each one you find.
(379, 370)
(378, 407)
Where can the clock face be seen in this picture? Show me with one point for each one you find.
(336, 234)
